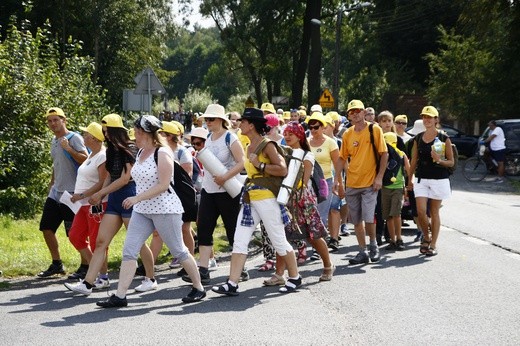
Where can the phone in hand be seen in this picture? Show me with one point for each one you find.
(96, 209)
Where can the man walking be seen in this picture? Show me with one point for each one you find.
(363, 151)
(68, 151)
(497, 147)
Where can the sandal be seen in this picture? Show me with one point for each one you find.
(302, 255)
(425, 246)
(327, 273)
(267, 266)
(431, 252)
(275, 280)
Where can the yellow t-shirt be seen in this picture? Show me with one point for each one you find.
(362, 165)
(322, 156)
(256, 195)
(244, 140)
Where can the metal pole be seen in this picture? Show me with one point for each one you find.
(149, 94)
(336, 59)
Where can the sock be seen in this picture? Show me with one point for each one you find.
(56, 262)
(89, 286)
(232, 283)
(294, 278)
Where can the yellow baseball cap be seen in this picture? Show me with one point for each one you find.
(317, 116)
(95, 130)
(286, 115)
(401, 117)
(268, 107)
(430, 111)
(333, 115)
(390, 137)
(179, 125)
(131, 134)
(355, 104)
(55, 111)
(113, 120)
(170, 127)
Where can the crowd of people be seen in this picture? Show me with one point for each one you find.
(116, 176)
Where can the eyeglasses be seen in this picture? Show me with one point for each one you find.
(399, 123)
(315, 127)
(354, 111)
(209, 119)
(197, 143)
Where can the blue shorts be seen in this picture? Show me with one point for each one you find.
(336, 202)
(499, 155)
(116, 198)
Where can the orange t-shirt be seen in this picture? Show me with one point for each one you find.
(357, 148)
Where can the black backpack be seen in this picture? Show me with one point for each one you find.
(395, 162)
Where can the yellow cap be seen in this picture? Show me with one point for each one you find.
(430, 111)
(95, 130)
(333, 115)
(113, 120)
(131, 134)
(302, 112)
(390, 137)
(286, 115)
(355, 104)
(401, 117)
(317, 116)
(170, 127)
(179, 125)
(328, 120)
(268, 107)
(55, 111)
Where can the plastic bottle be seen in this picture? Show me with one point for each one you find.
(438, 147)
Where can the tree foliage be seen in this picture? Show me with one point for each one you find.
(35, 75)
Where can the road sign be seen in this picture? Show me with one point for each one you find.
(326, 99)
(250, 103)
(148, 83)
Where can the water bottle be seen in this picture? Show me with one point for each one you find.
(438, 147)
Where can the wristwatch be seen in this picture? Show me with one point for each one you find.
(438, 162)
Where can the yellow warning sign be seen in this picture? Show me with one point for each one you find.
(326, 99)
(250, 103)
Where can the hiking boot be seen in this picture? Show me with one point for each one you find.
(333, 244)
(100, 284)
(79, 287)
(360, 258)
(399, 245)
(204, 276)
(291, 285)
(227, 289)
(80, 273)
(373, 253)
(194, 296)
(147, 285)
(113, 302)
(54, 269)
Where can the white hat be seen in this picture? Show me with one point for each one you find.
(417, 128)
(216, 111)
(198, 132)
(316, 108)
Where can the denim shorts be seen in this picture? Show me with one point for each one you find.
(116, 198)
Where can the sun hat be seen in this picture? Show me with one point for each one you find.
(317, 116)
(253, 114)
(170, 127)
(113, 120)
(390, 137)
(417, 128)
(216, 111)
(430, 111)
(316, 108)
(95, 130)
(55, 111)
(355, 104)
(268, 107)
(401, 117)
(199, 132)
(272, 120)
(148, 123)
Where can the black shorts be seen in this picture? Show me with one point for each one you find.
(190, 214)
(499, 155)
(54, 213)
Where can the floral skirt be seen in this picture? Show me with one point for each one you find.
(305, 219)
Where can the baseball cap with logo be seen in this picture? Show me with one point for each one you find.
(170, 127)
(113, 120)
(95, 130)
(401, 117)
(268, 107)
(430, 111)
(355, 104)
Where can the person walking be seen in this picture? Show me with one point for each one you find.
(497, 148)
(259, 204)
(431, 183)
(156, 206)
(364, 147)
(68, 151)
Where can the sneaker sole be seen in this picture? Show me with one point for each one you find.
(230, 294)
(76, 291)
(202, 281)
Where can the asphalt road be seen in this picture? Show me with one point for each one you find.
(468, 294)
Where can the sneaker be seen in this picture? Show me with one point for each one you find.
(140, 271)
(54, 269)
(344, 230)
(80, 274)
(399, 244)
(244, 276)
(174, 263)
(194, 296)
(499, 180)
(333, 244)
(291, 285)
(212, 263)
(182, 272)
(79, 287)
(315, 256)
(360, 258)
(227, 289)
(392, 246)
(113, 302)
(373, 253)
(204, 277)
(147, 285)
(100, 284)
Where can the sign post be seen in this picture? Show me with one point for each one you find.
(148, 83)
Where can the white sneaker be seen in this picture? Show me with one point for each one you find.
(212, 263)
(79, 287)
(147, 285)
(101, 284)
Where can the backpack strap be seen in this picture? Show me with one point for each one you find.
(376, 155)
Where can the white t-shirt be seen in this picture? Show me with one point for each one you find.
(145, 176)
(499, 142)
(88, 174)
(182, 155)
(224, 154)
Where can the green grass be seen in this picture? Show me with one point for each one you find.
(23, 251)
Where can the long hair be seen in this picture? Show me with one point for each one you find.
(118, 141)
(260, 126)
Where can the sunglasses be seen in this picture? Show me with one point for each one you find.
(354, 111)
(209, 119)
(399, 123)
(197, 143)
(314, 127)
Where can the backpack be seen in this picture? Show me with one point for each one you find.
(69, 156)
(319, 183)
(443, 136)
(181, 184)
(395, 163)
